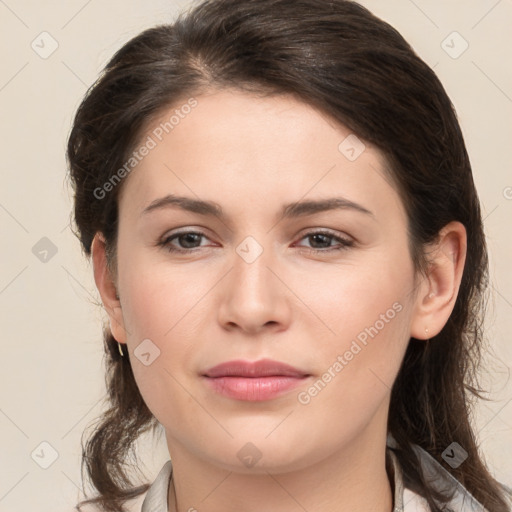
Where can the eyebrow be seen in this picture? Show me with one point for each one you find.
(291, 210)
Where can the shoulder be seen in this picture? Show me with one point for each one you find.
(413, 502)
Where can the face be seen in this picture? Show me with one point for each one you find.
(325, 289)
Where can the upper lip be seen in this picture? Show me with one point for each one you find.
(261, 368)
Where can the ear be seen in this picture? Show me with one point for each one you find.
(438, 290)
(107, 288)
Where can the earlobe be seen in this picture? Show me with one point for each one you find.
(107, 288)
(440, 287)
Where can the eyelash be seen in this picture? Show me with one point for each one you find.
(344, 243)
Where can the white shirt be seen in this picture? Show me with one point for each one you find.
(405, 500)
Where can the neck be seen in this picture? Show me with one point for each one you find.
(351, 479)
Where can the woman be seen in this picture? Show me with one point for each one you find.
(286, 237)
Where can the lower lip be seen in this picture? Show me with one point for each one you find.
(254, 389)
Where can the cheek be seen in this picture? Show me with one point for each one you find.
(356, 366)
(347, 299)
(160, 297)
(162, 303)
(360, 327)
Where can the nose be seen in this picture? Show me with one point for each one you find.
(254, 295)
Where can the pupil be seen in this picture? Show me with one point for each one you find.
(325, 237)
(189, 237)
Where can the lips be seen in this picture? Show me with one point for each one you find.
(254, 381)
(248, 369)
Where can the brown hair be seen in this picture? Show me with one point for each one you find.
(340, 58)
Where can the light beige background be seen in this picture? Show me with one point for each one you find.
(52, 382)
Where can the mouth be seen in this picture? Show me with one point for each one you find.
(254, 381)
(255, 369)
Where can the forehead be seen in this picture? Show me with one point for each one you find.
(248, 149)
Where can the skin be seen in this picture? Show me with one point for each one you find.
(251, 155)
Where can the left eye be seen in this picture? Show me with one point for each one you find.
(188, 238)
(322, 237)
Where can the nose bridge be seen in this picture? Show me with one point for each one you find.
(253, 256)
(255, 296)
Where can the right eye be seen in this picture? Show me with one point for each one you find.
(188, 239)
